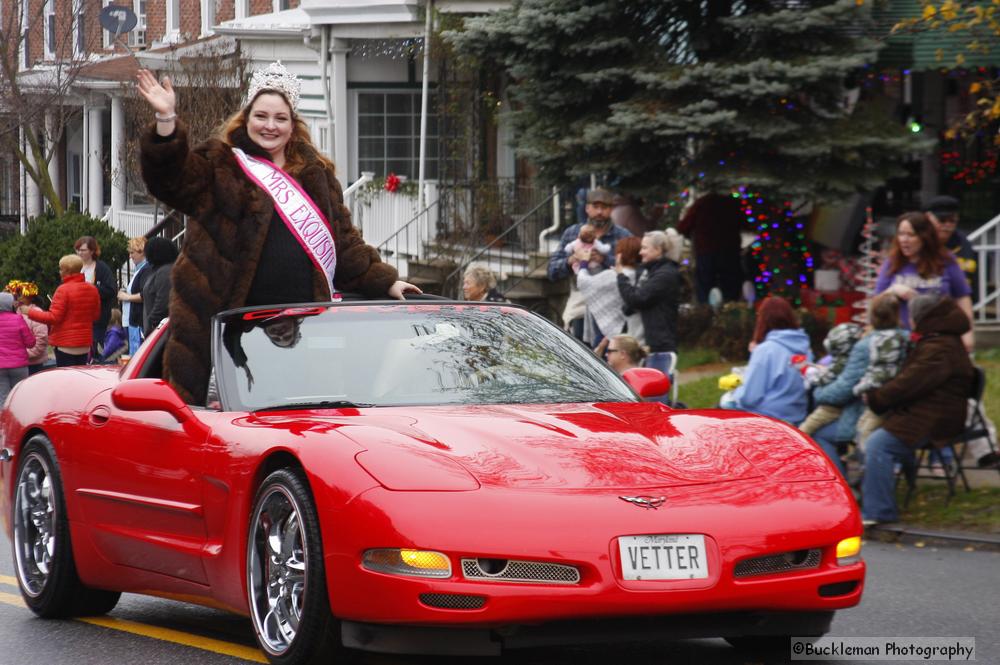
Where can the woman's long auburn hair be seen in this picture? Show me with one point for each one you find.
(933, 255)
(299, 150)
(774, 314)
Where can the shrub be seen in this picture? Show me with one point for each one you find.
(35, 255)
(730, 328)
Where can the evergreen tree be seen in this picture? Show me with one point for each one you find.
(718, 93)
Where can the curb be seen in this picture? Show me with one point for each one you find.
(900, 533)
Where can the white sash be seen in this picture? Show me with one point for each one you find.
(302, 217)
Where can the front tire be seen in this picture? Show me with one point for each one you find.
(43, 553)
(286, 581)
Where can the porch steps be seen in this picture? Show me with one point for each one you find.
(429, 275)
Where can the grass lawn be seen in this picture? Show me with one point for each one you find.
(978, 510)
(701, 393)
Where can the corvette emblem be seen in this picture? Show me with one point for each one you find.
(652, 502)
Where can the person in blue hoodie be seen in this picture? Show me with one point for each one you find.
(772, 382)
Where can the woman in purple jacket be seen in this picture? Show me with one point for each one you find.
(919, 264)
(15, 340)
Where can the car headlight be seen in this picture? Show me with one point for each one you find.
(849, 551)
(414, 563)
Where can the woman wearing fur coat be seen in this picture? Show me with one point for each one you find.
(267, 222)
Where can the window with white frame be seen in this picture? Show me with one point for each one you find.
(389, 134)
(25, 34)
(173, 21)
(8, 202)
(49, 18)
(138, 36)
(207, 16)
(106, 35)
(282, 5)
(79, 28)
(318, 130)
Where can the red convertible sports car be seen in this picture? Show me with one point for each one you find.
(426, 476)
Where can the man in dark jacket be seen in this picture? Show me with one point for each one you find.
(926, 401)
(713, 223)
(600, 203)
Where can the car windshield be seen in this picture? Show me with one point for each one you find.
(393, 355)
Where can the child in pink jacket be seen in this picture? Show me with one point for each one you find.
(15, 340)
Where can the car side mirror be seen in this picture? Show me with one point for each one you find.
(150, 395)
(646, 381)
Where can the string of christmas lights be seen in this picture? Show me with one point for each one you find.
(971, 172)
(397, 49)
(780, 252)
(868, 265)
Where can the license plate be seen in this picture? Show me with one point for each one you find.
(663, 557)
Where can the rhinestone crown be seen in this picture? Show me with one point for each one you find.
(276, 78)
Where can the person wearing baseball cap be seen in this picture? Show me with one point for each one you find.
(943, 212)
(600, 202)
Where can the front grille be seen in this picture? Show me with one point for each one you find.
(779, 563)
(452, 601)
(506, 570)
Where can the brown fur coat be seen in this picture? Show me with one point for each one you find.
(928, 398)
(229, 217)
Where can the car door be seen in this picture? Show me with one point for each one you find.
(140, 487)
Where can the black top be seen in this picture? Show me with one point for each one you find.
(285, 271)
(135, 311)
(656, 297)
(156, 297)
(107, 286)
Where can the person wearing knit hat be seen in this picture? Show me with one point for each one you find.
(15, 340)
(266, 224)
(943, 212)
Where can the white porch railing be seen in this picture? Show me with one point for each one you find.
(986, 242)
(384, 213)
(377, 216)
(350, 194)
(131, 222)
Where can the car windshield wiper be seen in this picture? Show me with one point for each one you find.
(320, 404)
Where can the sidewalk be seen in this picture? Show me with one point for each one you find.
(920, 537)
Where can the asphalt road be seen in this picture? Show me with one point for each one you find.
(911, 592)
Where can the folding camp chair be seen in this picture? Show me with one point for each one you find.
(931, 464)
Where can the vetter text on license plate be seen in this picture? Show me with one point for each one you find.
(663, 557)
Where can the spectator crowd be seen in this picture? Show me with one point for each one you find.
(899, 383)
(81, 324)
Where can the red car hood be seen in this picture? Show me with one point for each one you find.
(575, 446)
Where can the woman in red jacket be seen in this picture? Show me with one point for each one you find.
(75, 306)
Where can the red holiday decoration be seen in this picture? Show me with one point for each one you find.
(391, 182)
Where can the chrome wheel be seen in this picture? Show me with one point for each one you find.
(35, 520)
(277, 567)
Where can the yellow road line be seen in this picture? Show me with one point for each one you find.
(7, 579)
(11, 599)
(178, 637)
(157, 633)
